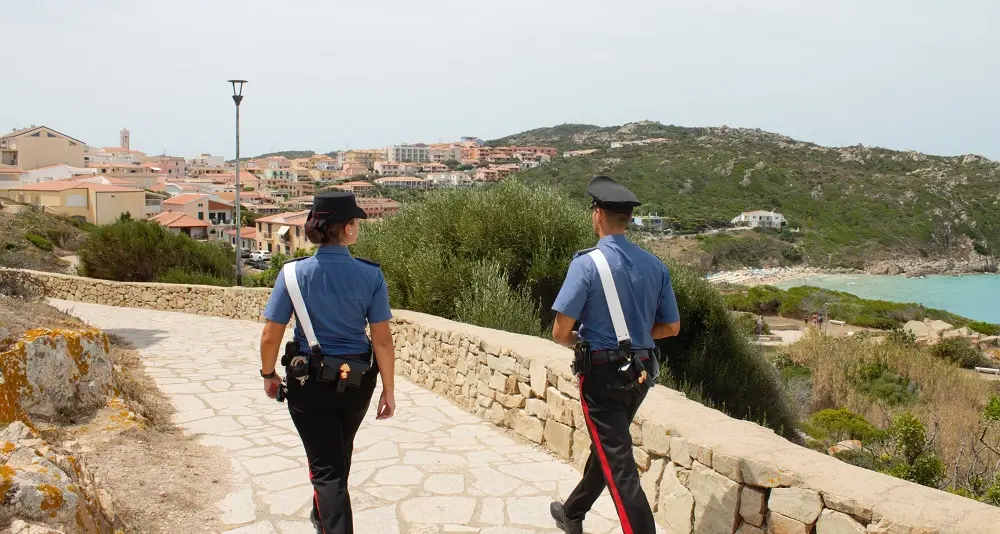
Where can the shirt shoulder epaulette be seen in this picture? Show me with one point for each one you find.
(370, 262)
(295, 259)
(583, 252)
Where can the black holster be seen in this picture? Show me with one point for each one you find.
(296, 364)
(582, 361)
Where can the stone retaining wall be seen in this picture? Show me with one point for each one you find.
(702, 471)
(232, 302)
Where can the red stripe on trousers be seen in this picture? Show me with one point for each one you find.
(605, 466)
(316, 499)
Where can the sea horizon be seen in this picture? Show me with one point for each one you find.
(976, 296)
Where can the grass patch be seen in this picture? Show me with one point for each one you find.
(41, 242)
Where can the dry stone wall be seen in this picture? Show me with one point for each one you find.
(232, 302)
(702, 471)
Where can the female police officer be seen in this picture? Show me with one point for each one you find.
(334, 296)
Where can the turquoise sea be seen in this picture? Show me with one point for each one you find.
(973, 296)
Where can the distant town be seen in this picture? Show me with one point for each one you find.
(57, 173)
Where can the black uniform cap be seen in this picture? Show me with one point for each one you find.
(610, 195)
(333, 208)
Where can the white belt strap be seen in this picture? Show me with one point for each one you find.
(295, 292)
(611, 295)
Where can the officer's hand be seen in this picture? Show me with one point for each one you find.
(271, 386)
(386, 405)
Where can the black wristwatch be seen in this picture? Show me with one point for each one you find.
(271, 375)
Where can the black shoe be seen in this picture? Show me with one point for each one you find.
(568, 526)
(314, 518)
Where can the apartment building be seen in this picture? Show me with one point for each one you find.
(324, 174)
(402, 182)
(10, 176)
(278, 162)
(207, 160)
(446, 153)
(95, 203)
(449, 179)
(377, 208)
(417, 153)
(359, 188)
(218, 216)
(283, 232)
(248, 238)
(173, 167)
(39, 146)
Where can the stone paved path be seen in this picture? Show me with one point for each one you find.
(431, 469)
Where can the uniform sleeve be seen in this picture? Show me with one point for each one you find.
(378, 310)
(666, 310)
(573, 294)
(279, 305)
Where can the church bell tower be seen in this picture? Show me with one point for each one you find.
(125, 138)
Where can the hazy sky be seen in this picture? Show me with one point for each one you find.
(325, 75)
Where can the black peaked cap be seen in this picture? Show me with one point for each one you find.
(610, 195)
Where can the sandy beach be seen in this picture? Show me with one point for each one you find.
(758, 277)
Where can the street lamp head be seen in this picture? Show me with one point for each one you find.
(237, 90)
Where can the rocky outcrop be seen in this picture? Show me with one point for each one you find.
(963, 263)
(53, 373)
(46, 490)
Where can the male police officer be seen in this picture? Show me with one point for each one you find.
(623, 297)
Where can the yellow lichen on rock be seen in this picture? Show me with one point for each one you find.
(6, 480)
(52, 498)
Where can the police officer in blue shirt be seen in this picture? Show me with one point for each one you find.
(330, 369)
(623, 298)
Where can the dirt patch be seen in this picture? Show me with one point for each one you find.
(157, 477)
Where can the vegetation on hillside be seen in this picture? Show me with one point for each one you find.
(854, 204)
(801, 302)
(34, 240)
(290, 154)
(497, 257)
(141, 251)
(918, 415)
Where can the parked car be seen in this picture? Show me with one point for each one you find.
(260, 255)
(245, 253)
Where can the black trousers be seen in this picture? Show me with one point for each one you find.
(327, 422)
(608, 412)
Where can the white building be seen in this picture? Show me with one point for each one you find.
(441, 155)
(417, 153)
(207, 160)
(54, 172)
(760, 219)
(402, 182)
(449, 179)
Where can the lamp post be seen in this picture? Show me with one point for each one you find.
(237, 98)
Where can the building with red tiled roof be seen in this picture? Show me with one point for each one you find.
(283, 232)
(97, 203)
(248, 237)
(182, 223)
(203, 208)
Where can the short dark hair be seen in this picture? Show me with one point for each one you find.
(327, 234)
(616, 218)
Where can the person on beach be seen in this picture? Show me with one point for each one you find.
(330, 365)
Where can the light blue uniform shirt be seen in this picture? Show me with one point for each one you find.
(644, 289)
(342, 295)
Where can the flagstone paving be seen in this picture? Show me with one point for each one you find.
(433, 468)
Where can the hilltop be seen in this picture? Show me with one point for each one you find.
(856, 206)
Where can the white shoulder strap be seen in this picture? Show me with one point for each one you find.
(611, 295)
(295, 292)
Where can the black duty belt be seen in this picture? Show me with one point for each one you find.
(606, 356)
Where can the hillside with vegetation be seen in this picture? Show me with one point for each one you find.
(854, 205)
(291, 154)
(32, 239)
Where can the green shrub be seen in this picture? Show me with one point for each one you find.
(141, 251)
(492, 303)
(902, 337)
(41, 242)
(986, 329)
(912, 455)
(958, 350)
(840, 424)
(430, 253)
